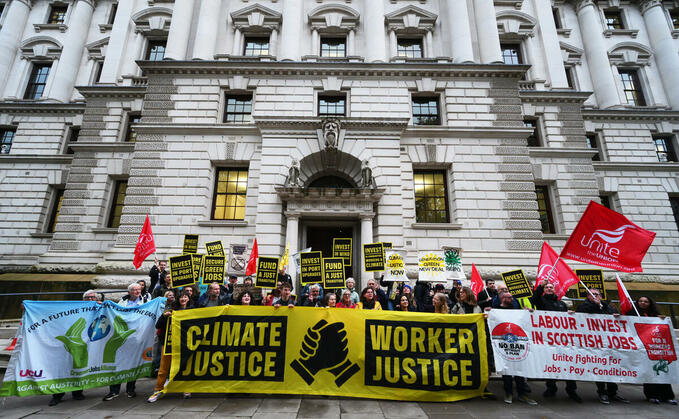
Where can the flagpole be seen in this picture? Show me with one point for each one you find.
(590, 292)
(626, 295)
(549, 275)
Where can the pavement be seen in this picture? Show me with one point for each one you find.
(257, 406)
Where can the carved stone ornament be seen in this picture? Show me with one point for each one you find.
(331, 132)
(293, 174)
(367, 180)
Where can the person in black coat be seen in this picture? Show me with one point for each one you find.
(595, 305)
(486, 295)
(157, 273)
(544, 298)
(423, 296)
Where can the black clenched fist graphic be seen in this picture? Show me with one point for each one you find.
(325, 348)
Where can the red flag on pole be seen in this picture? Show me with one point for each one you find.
(145, 244)
(626, 303)
(477, 282)
(559, 273)
(605, 238)
(252, 263)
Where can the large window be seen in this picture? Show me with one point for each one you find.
(6, 139)
(55, 210)
(231, 187)
(632, 87)
(130, 133)
(613, 19)
(664, 148)
(431, 203)
(511, 54)
(409, 47)
(117, 203)
(37, 81)
(593, 143)
(674, 202)
(256, 46)
(333, 47)
(426, 111)
(545, 209)
(238, 108)
(57, 15)
(155, 51)
(557, 18)
(570, 77)
(112, 13)
(674, 15)
(2, 8)
(534, 137)
(73, 134)
(332, 105)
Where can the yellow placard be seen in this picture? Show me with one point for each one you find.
(356, 353)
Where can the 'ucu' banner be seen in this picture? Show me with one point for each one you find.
(605, 238)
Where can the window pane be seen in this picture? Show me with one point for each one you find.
(632, 87)
(230, 194)
(431, 199)
(57, 15)
(156, 50)
(544, 209)
(613, 19)
(238, 108)
(511, 54)
(333, 47)
(426, 111)
(409, 48)
(331, 105)
(117, 203)
(255, 47)
(131, 135)
(664, 149)
(56, 209)
(37, 81)
(6, 140)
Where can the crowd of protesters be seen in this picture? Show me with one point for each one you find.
(398, 296)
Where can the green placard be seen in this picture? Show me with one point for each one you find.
(190, 244)
(517, 283)
(373, 257)
(181, 271)
(311, 268)
(333, 273)
(342, 248)
(214, 248)
(592, 278)
(267, 272)
(197, 259)
(213, 269)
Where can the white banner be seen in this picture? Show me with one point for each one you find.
(585, 347)
(431, 267)
(395, 267)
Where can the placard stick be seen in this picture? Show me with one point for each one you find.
(590, 293)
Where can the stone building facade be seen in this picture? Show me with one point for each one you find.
(481, 125)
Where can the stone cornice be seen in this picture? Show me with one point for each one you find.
(475, 132)
(383, 124)
(325, 69)
(35, 158)
(640, 167)
(299, 194)
(82, 146)
(198, 129)
(584, 153)
(111, 91)
(555, 96)
(22, 107)
(629, 115)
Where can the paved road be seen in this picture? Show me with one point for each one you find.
(273, 407)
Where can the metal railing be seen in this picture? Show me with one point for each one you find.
(671, 308)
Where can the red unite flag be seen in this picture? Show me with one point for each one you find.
(562, 277)
(605, 238)
(145, 244)
(252, 263)
(477, 282)
(626, 304)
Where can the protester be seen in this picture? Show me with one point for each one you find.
(314, 297)
(285, 299)
(212, 297)
(392, 293)
(544, 298)
(245, 299)
(284, 277)
(169, 299)
(183, 303)
(368, 300)
(440, 303)
(307, 290)
(454, 294)
(466, 302)
(495, 303)
(522, 388)
(379, 292)
(132, 299)
(157, 273)
(423, 296)
(164, 286)
(655, 393)
(595, 305)
(194, 293)
(330, 300)
(89, 295)
(346, 301)
(248, 282)
(157, 349)
(486, 296)
(405, 303)
(273, 295)
(229, 288)
(144, 293)
(351, 286)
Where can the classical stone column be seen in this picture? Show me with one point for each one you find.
(72, 52)
(393, 47)
(13, 79)
(10, 37)
(116, 58)
(291, 31)
(130, 67)
(206, 32)
(236, 48)
(550, 45)
(460, 32)
(273, 42)
(180, 29)
(486, 31)
(291, 236)
(366, 238)
(429, 45)
(374, 31)
(537, 68)
(315, 47)
(664, 48)
(605, 88)
(351, 43)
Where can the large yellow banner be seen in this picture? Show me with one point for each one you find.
(328, 351)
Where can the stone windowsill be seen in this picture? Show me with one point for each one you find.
(565, 32)
(41, 235)
(675, 33)
(103, 27)
(222, 223)
(50, 26)
(556, 236)
(436, 226)
(631, 32)
(104, 230)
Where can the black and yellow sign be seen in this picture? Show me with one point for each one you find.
(213, 269)
(181, 271)
(593, 279)
(190, 243)
(267, 272)
(342, 248)
(167, 349)
(214, 248)
(517, 283)
(355, 353)
(333, 273)
(310, 267)
(387, 245)
(197, 265)
(373, 257)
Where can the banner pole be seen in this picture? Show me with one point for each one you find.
(626, 295)
(590, 292)
(549, 275)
